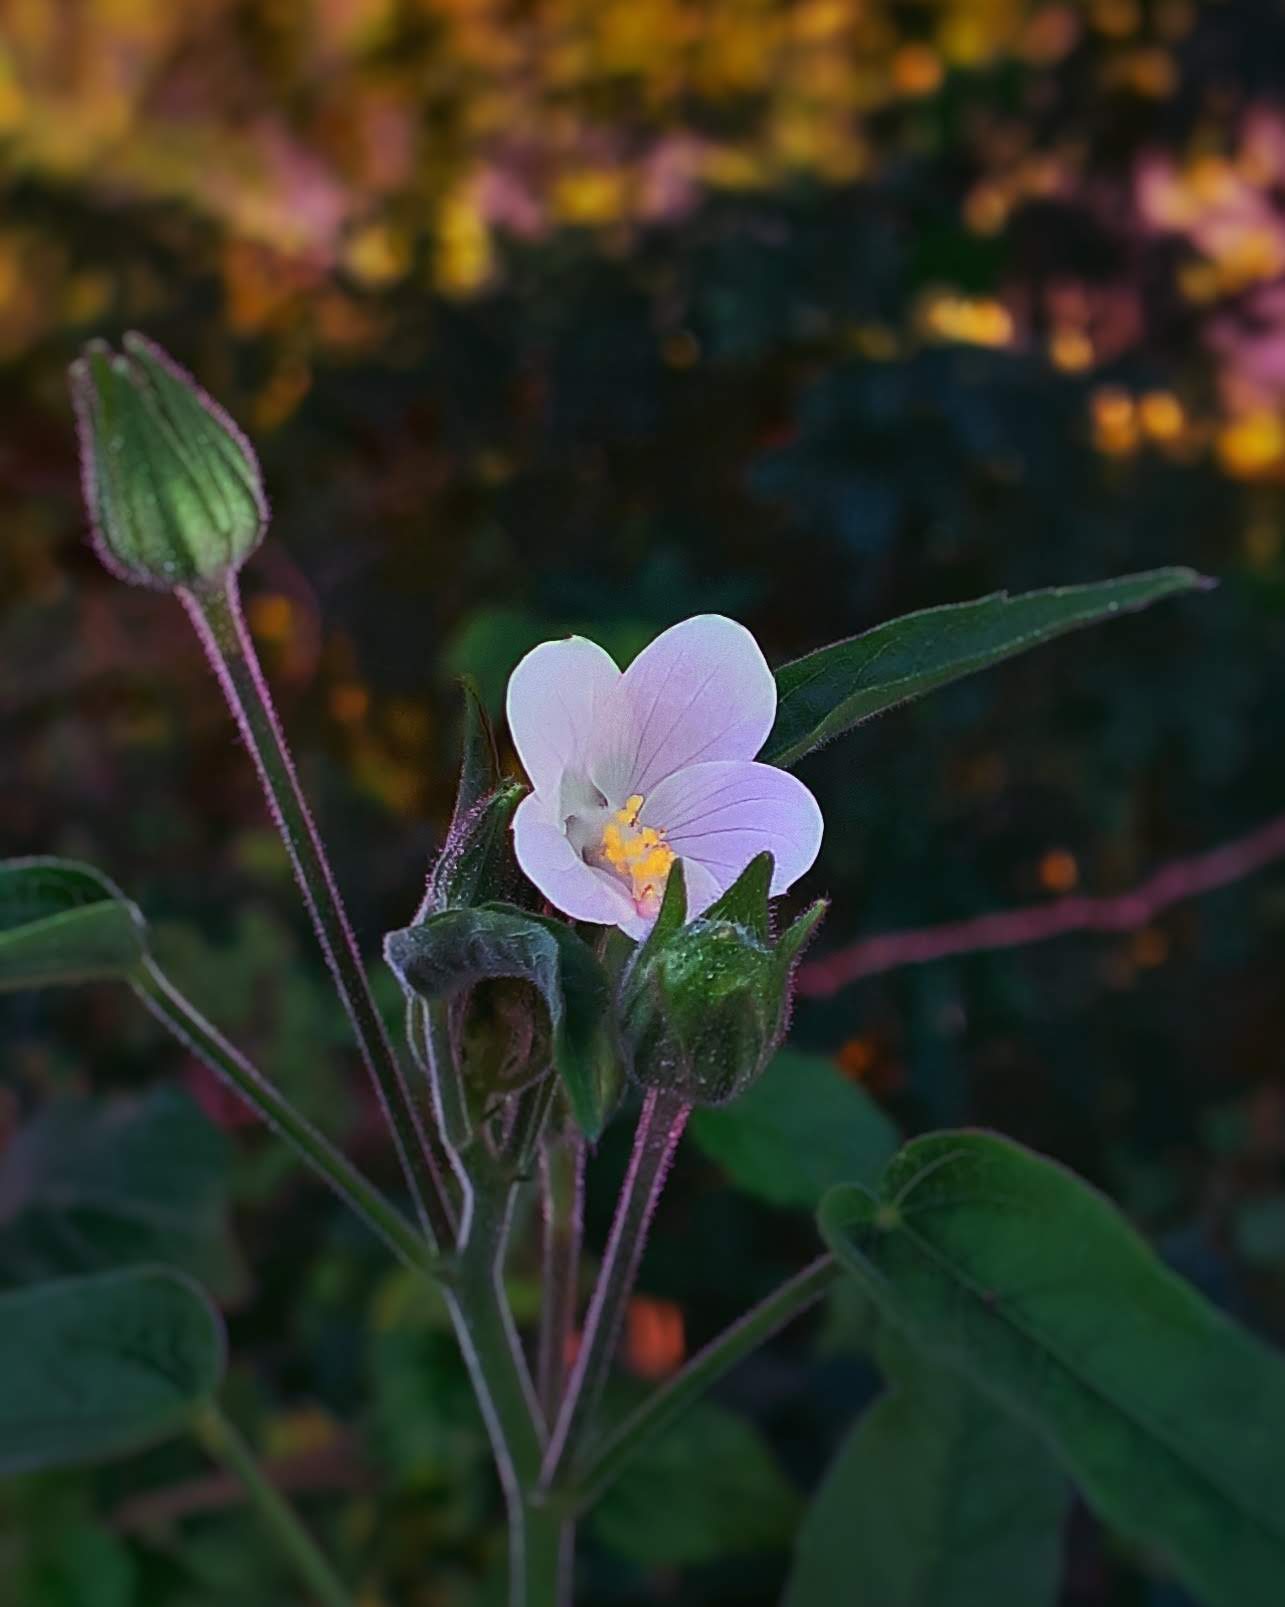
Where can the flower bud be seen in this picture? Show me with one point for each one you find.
(706, 1004)
(172, 486)
(477, 863)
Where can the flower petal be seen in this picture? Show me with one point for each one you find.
(549, 860)
(701, 691)
(719, 815)
(555, 698)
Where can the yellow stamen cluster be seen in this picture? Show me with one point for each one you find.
(639, 854)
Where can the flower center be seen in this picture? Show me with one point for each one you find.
(638, 854)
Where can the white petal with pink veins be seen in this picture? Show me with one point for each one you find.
(701, 691)
(720, 815)
(557, 697)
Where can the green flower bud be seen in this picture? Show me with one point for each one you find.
(477, 864)
(706, 1004)
(171, 484)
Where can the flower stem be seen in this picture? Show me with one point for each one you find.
(222, 1441)
(450, 1099)
(215, 611)
(562, 1198)
(207, 1043)
(660, 1126)
(746, 1334)
(539, 1541)
(530, 1113)
(547, 1551)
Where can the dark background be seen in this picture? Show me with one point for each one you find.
(553, 317)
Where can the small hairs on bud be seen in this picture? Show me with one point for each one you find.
(172, 486)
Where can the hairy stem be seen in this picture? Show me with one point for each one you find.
(612, 1453)
(208, 1044)
(660, 1126)
(450, 1099)
(539, 1541)
(216, 614)
(562, 1201)
(473, 1284)
(222, 1442)
(530, 1113)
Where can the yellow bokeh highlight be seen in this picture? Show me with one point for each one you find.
(1071, 350)
(465, 256)
(1115, 421)
(1251, 444)
(378, 256)
(591, 196)
(917, 70)
(272, 618)
(970, 321)
(1161, 415)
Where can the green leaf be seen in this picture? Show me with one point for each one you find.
(63, 922)
(1169, 1417)
(800, 1129)
(839, 686)
(68, 1557)
(458, 948)
(99, 1367)
(90, 1184)
(705, 1489)
(937, 1498)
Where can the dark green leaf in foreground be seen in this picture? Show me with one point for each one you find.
(937, 1498)
(456, 949)
(800, 1129)
(90, 1184)
(63, 922)
(706, 1488)
(99, 1367)
(1169, 1417)
(839, 686)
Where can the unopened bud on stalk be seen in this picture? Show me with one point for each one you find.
(706, 1004)
(172, 486)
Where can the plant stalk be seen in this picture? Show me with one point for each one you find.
(521, 1143)
(562, 1200)
(223, 1442)
(215, 612)
(450, 1098)
(208, 1044)
(540, 1541)
(660, 1126)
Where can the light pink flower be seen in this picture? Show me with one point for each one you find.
(633, 771)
